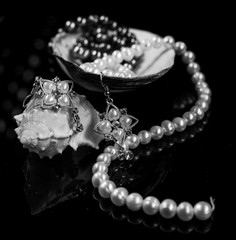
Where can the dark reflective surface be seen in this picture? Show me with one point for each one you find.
(192, 166)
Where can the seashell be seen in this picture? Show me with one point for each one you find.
(154, 63)
(48, 132)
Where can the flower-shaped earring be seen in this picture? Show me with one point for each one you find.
(116, 124)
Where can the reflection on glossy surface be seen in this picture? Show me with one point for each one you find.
(133, 174)
(49, 182)
(165, 225)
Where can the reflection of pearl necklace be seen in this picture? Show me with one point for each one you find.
(110, 65)
(134, 201)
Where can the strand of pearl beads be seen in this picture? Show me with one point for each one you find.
(110, 65)
(168, 208)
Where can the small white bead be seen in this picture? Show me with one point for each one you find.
(108, 72)
(104, 157)
(99, 166)
(117, 56)
(169, 40)
(156, 132)
(198, 77)
(190, 118)
(168, 208)
(205, 97)
(145, 137)
(202, 210)
(168, 127)
(137, 50)
(118, 196)
(150, 205)
(133, 141)
(110, 62)
(122, 75)
(146, 44)
(185, 211)
(157, 42)
(202, 104)
(125, 121)
(101, 64)
(98, 178)
(134, 201)
(112, 150)
(96, 71)
(127, 54)
(180, 124)
(105, 188)
(180, 48)
(193, 67)
(188, 57)
(198, 112)
(204, 90)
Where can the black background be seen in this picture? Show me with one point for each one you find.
(200, 167)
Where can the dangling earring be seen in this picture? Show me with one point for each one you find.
(115, 124)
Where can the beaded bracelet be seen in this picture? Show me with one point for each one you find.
(134, 201)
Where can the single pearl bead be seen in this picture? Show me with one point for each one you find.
(146, 44)
(118, 196)
(180, 124)
(64, 100)
(201, 85)
(101, 64)
(168, 127)
(190, 118)
(204, 90)
(198, 112)
(96, 71)
(112, 150)
(49, 99)
(198, 77)
(127, 54)
(134, 201)
(185, 211)
(150, 205)
(205, 97)
(125, 121)
(105, 126)
(180, 48)
(133, 141)
(168, 208)
(113, 114)
(137, 50)
(117, 56)
(99, 166)
(169, 40)
(193, 67)
(110, 62)
(105, 188)
(188, 57)
(108, 72)
(157, 42)
(202, 210)
(156, 132)
(118, 134)
(202, 104)
(145, 137)
(122, 75)
(98, 178)
(104, 157)
(63, 86)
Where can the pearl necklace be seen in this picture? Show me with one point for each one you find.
(110, 65)
(120, 196)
